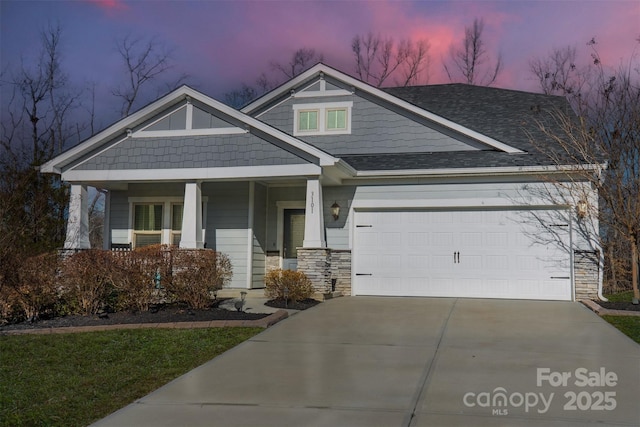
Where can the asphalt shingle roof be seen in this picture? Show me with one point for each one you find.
(509, 116)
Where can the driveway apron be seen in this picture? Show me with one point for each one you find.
(373, 361)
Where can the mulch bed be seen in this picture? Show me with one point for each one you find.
(625, 305)
(162, 313)
(292, 305)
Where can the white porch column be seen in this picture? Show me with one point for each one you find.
(78, 221)
(314, 218)
(192, 217)
(106, 226)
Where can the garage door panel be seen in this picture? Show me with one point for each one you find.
(414, 253)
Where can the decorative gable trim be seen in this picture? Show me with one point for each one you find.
(321, 69)
(122, 129)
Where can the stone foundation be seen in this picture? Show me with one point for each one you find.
(586, 274)
(341, 271)
(316, 264)
(272, 260)
(323, 266)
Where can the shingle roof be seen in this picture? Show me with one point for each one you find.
(508, 116)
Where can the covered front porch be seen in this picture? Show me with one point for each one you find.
(260, 225)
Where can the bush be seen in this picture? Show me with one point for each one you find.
(34, 290)
(296, 283)
(86, 281)
(197, 273)
(134, 276)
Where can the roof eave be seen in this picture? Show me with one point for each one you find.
(492, 171)
(360, 85)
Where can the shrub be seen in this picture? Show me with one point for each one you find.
(296, 283)
(197, 273)
(34, 289)
(86, 279)
(134, 275)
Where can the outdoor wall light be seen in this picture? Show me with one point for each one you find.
(582, 208)
(335, 210)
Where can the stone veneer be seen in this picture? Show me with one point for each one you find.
(341, 270)
(586, 274)
(272, 260)
(316, 264)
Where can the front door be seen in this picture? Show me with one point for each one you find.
(293, 237)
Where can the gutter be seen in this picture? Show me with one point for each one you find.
(451, 172)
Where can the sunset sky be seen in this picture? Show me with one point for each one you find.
(221, 44)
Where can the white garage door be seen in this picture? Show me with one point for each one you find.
(480, 254)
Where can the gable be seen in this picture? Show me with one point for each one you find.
(374, 125)
(184, 152)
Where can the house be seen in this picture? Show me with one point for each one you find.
(413, 191)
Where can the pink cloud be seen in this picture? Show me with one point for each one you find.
(110, 6)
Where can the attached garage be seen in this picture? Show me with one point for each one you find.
(460, 253)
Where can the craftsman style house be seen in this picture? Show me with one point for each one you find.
(413, 191)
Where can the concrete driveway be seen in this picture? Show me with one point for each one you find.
(367, 361)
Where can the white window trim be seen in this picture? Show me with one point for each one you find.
(322, 109)
(166, 232)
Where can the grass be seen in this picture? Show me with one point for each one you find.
(629, 325)
(620, 297)
(76, 379)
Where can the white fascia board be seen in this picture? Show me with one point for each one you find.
(450, 172)
(121, 126)
(52, 166)
(189, 132)
(360, 85)
(239, 172)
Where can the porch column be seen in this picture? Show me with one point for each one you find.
(192, 217)
(78, 222)
(314, 218)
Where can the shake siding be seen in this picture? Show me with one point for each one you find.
(374, 129)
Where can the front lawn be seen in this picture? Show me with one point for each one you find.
(620, 297)
(629, 325)
(76, 379)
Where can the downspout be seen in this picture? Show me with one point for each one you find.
(601, 277)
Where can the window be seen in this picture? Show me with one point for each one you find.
(322, 119)
(147, 224)
(336, 119)
(307, 120)
(176, 223)
(157, 220)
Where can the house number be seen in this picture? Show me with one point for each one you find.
(312, 204)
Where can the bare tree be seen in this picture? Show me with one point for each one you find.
(301, 60)
(378, 58)
(36, 126)
(471, 63)
(144, 61)
(607, 133)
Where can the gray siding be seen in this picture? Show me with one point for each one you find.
(174, 121)
(227, 219)
(191, 152)
(374, 129)
(259, 236)
(280, 194)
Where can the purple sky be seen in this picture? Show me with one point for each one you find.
(220, 44)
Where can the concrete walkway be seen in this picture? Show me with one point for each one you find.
(362, 361)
